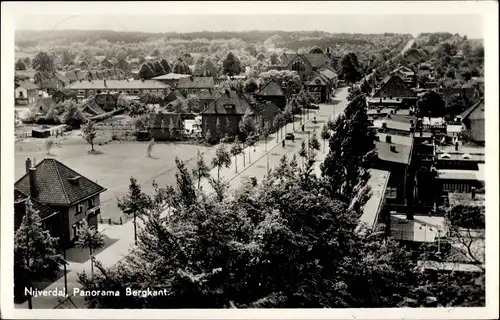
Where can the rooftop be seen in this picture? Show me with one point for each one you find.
(27, 85)
(420, 229)
(196, 83)
(396, 139)
(451, 174)
(400, 155)
(42, 210)
(271, 89)
(117, 85)
(229, 102)
(54, 186)
(378, 183)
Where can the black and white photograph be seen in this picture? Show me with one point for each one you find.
(192, 156)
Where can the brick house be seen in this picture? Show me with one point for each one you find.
(195, 84)
(162, 123)
(25, 92)
(228, 108)
(473, 121)
(272, 92)
(84, 89)
(74, 197)
(394, 88)
(305, 64)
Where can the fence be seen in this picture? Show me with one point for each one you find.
(113, 221)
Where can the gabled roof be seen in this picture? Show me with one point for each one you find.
(171, 76)
(221, 104)
(117, 85)
(27, 85)
(328, 73)
(271, 89)
(93, 107)
(205, 94)
(42, 210)
(318, 80)
(54, 185)
(317, 60)
(393, 85)
(196, 83)
(468, 113)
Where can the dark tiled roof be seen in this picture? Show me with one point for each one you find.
(329, 73)
(118, 85)
(27, 85)
(43, 211)
(393, 85)
(220, 106)
(196, 83)
(66, 92)
(469, 111)
(318, 80)
(317, 60)
(271, 89)
(54, 186)
(206, 95)
(62, 77)
(93, 107)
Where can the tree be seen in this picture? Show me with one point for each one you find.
(303, 152)
(48, 145)
(42, 62)
(221, 159)
(246, 124)
(155, 53)
(289, 81)
(20, 65)
(325, 135)
(266, 131)
(66, 58)
(35, 252)
(251, 49)
(200, 170)
(150, 147)
(181, 67)
(217, 129)
(89, 132)
(349, 68)
(158, 68)
(313, 142)
(261, 56)
(121, 55)
(172, 130)
(235, 150)
(275, 41)
(166, 66)
(90, 238)
(431, 104)
(231, 65)
(208, 136)
(186, 191)
(145, 72)
(274, 59)
(277, 123)
(72, 113)
(351, 149)
(27, 61)
(135, 203)
(142, 59)
(316, 50)
(250, 85)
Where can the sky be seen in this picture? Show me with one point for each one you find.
(469, 25)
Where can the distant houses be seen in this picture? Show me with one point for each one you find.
(393, 92)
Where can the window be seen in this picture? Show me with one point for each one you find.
(91, 91)
(21, 94)
(136, 91)
(446, 187)
(79, 208)
(91, 202)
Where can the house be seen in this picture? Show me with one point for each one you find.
(166, 124)
(228, 109)
(84, 89)
(25, 92)
(407, 75)
(272, 92)
(171, 78)
(83, 65)
(394, 88)
(320, 88)
(64, 94)
(107, 101)
(206, 97)
(330, 74)
(194, 85)
(75, 197)
(26, 74)
(473, 121)
(456, 180)
(266, 112)
(91, 109)
(305, 64)
(394, 154)
(43, 105)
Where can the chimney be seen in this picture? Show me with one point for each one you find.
(32, 177)
(388, 139)
(28, 165)
(393, 148)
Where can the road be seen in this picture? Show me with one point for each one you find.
(120, 238)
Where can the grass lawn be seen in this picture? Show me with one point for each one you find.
(113, 168)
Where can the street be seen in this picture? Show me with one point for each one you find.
(120, 238)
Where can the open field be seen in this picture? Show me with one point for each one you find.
(114, 166)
